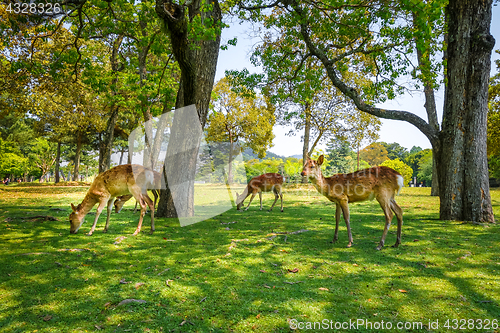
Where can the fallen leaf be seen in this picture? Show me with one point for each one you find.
(47, 318)
(123, 281)
(295, 270)
(258, 316)
(402, 290)
(266, 286)
(325, 289)
(262, 271)
(107, 304)
(138, 285)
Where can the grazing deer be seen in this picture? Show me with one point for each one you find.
(264, 183)
(120, 180)
(120, 200)
(381, 183)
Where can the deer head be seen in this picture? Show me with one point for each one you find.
(239, 200)
(312, 168)
(75, 219)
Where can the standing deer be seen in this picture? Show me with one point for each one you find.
(120, 180)
(381, 183)
(264, 183)
(120, 200)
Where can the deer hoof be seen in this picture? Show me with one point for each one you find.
(379, 247)
(349, 245)
(396, 245)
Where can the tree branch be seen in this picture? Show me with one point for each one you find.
(350, 92)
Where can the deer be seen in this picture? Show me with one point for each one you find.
(121, 180)
(380, 183)
(264, 183)
(120, 200)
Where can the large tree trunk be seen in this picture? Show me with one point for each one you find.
(197, 60)
(462, 161)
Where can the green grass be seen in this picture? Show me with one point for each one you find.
(236, 277)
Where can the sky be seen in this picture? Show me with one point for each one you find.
(237, 58)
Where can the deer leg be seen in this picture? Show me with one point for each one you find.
(399, 215)
(150, 203)
(102, 203)
(138, 195)
(276, 197)
(388, 218)
(281, 196)
(260, 197)
(345, 211)
(156, 195)
(110, 207)
(251, 198)
(337, 219)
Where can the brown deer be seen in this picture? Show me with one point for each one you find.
(120, 200)
(120, 180)
(264, 183)
(381, 183)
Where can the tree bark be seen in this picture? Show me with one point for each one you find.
(76, 169)
(307, 134)
(58, 162)
(462, 161)
(197, 59)
(424, 63)
(106, 148)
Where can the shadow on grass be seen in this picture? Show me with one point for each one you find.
(245, 276)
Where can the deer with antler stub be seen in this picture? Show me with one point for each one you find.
(120, 180)
(264, 183)
(381, 183)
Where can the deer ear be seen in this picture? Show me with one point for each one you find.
(73, 207)
(320, 160)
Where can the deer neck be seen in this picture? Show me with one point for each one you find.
(320, 183)
(87, 204)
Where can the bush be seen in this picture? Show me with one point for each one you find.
(405, 170)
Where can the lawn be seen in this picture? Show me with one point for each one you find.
(244, 271)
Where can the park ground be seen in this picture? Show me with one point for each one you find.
(251, 271)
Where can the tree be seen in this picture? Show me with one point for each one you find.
(400, 167)
(459, 147)
(374, 154)
(244, 121)
(425, 169)
(194, 29)
(292, 168)
(395, 150)
(43, 155)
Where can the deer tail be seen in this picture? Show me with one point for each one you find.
(401, 183)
